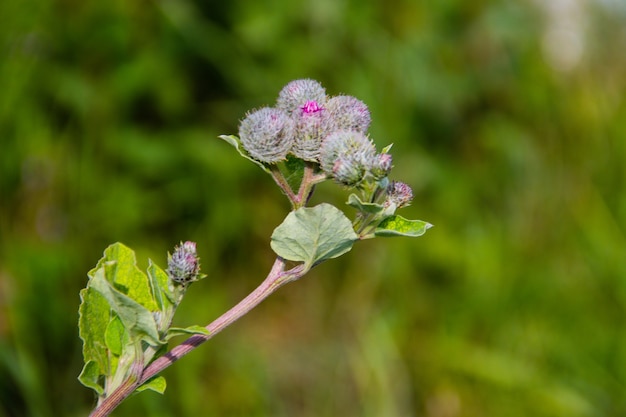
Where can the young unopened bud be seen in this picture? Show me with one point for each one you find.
(184, 265)
(346, 113)
(382, 166)
(399, 194)
(347, 156)
(267, 134)
(297, 93)
(309, 133)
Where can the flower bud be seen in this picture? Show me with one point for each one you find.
(267, 134)
(346, 113)
(297, 93)
(399, 194)
(309, 133)
(184, 265)
(382, 166)
(347, 156)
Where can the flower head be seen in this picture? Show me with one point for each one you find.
(184, 265)
(295, 95)
(347, 113)
(347, 156)
(309, 132)
(267, 134)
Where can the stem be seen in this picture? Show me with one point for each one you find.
(309, 180)
(365, 223)
(280, 180)
(274, 280)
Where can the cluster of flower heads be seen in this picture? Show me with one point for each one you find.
(309, 125)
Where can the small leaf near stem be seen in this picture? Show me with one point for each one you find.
(235, 142)
(399, 226)
(156, 384)
(371, 209)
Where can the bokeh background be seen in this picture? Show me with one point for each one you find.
(508, 118)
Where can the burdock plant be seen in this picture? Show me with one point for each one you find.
(125, 315)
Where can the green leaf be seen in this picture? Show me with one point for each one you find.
(122, 272)
(179, 331)
(236, 143)
(117, 316)
(399, 226)
(160, 285)
(312, 235)
(370, 208)
(137, 319)
(293, 171)
(90, 377)
(156, 384)
(116, 336)
(93, 319)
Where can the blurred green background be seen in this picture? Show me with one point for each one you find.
(508, 118)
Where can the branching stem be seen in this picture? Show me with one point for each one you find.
(274, 280)
(280, 180)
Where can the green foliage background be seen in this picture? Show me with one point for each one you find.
(513, 305)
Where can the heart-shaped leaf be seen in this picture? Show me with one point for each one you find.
(312, 235)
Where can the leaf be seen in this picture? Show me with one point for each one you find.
(160, 285)
(93, 319)
(137, 319)
(117, 316)
(156, 384)
(387, 148)
(90, 377)
(399, 226)
(116, 336)
(234, 141)
(122, 272)
(312, 235)
(370, 208)
(293, 171)
(179, 331)
(117, 341)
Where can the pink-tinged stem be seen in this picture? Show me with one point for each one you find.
(275, 279)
